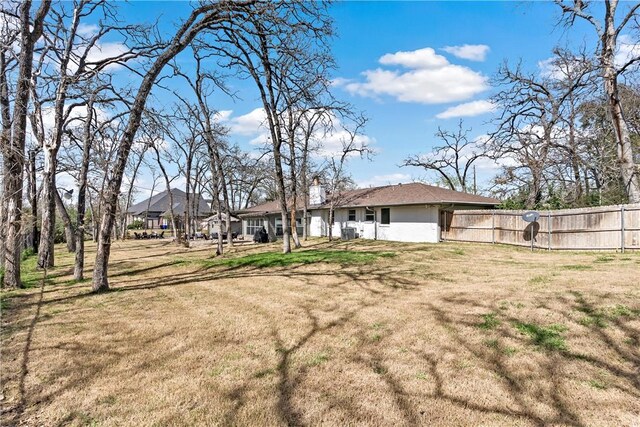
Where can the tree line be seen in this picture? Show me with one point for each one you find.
(566, 135)
(67, 109)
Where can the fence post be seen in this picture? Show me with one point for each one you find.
(493, 227)
(549, 230)
(446, 227)
(622, 228)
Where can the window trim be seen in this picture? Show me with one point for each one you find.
(254, 225)
(369, 213)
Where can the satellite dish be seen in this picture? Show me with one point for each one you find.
(531, 216)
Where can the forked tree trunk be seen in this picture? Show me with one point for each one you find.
(213, 13)
(14, 152)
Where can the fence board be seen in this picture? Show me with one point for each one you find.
(597, 228)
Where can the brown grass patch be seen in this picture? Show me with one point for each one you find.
(446, 334)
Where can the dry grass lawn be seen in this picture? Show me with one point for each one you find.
(402, 334)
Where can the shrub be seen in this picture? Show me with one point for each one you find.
(135, 225)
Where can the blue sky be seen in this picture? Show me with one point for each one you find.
(413, 45)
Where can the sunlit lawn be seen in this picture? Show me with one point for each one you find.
(343, 333)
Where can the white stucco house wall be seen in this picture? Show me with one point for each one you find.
(413, 212)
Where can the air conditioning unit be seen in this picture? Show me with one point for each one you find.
(348, 233)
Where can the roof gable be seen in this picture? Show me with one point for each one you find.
(161, 203)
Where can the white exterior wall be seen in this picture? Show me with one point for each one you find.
(417, 223)
(318, 223)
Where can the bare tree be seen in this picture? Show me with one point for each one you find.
(454, 160)
(207, 17)
(352, 144)
(70, 50)
(277, 54)
(527, 129)
(608, 32)
(14, 146)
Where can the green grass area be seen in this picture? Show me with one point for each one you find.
(598, 316)
(31, 275)
(276, 259)
(548, 337)
(489, 321)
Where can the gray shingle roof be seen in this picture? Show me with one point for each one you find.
(160, 203)
(414, 193)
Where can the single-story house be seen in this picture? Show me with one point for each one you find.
(412, 212)
(157, 209)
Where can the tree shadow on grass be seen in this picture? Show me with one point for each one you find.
(544, 388)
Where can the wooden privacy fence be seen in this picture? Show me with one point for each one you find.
(605, 227)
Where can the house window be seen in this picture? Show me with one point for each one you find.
(369, 215)
(299, 227)
(279, 230)
(385, 214)
(352, 215)
(253, 226)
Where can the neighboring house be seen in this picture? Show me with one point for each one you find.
(404, 212)
(157, 210)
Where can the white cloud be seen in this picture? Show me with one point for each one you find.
(332, 143)
(340, 81)
(549, 69)
(390, 179)
(628, 49)
(87, 30)
(250, 124)
(468, 109)
(430, 79)
(416, 59)
(472, 52)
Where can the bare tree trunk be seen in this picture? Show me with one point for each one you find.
(628, 169)
(48, 225)
(292, 176)
(305, 196)
(66, 220)
(129, 196)
(14, 152)
(330, 226)
(146, 213)
(187, 214)
(33, 197)
(574, 158)
(78, 269)
(5, 109)
(534, 194)
(215, 190)
(177, 237)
